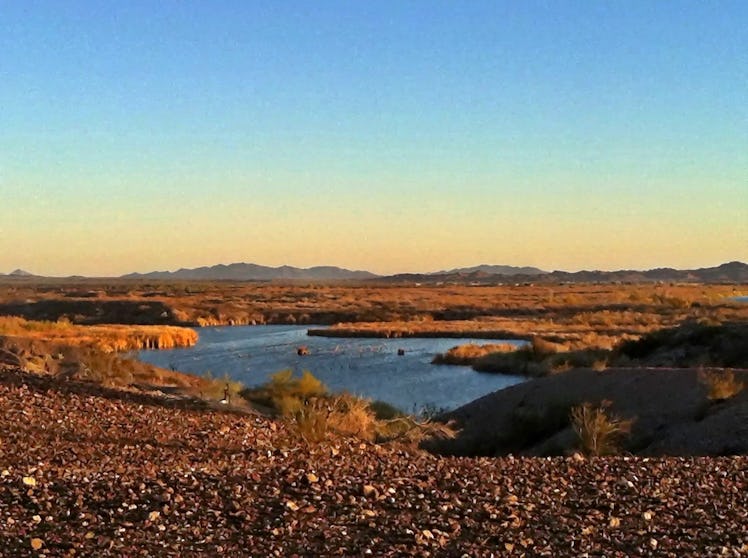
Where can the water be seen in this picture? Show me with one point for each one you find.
(740, 298)
(366, 367)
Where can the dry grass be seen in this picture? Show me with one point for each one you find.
(108, 338)
(599, 432)
(467, 354)
(313, 413)
(544, 310)
(310, 420)
(720, 384)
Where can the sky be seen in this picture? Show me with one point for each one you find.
(390, 136)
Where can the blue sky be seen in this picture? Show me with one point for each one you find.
(392, 136)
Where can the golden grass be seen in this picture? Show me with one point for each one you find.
(599, 432)
(467, 354)
(108, 338)
(313, 413)
(622, 307)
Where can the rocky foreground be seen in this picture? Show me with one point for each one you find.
(88, 471)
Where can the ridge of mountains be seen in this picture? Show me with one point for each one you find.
(731, 272)
(495, 270)
(255, 272)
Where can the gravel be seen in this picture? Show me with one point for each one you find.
(87, 471)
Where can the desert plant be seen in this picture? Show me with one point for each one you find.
(412, 432)
(311, 420)
(352, 415)
(599, 433)
(720, 384)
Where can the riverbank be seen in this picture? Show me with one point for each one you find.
(107, 473)
(673, 412)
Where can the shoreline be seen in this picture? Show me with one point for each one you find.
(352, 332)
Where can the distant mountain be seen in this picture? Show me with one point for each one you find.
(733, 272)
(254, 272)
(495, 270)
(20, 273)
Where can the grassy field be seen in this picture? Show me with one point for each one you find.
(112, 317)
(554, 309)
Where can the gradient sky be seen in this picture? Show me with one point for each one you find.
(390, 135)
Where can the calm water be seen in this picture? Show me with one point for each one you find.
(366, 367)
(740, 298)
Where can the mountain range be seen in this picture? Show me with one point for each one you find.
(732, 272)
(254, 272)
(495, 270)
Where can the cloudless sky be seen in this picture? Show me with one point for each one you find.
(390, 136)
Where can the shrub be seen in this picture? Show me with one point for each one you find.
(721, 385)
(311, 420)
(312, 412)
(599, 433)
(468, 353)
(411, 431)
(352, 415)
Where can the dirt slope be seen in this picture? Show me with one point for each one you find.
(672, 414)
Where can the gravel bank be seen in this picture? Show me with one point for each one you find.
(87, 471)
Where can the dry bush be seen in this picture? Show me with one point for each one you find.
(412, 432)
(311, 420)
(599, 433)
(283, 383)
(468, 353)
(312, 413)
(352, 415)
(721, 384)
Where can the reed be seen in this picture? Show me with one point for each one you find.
(107, 338)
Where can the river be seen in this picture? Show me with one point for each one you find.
(370, 368)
